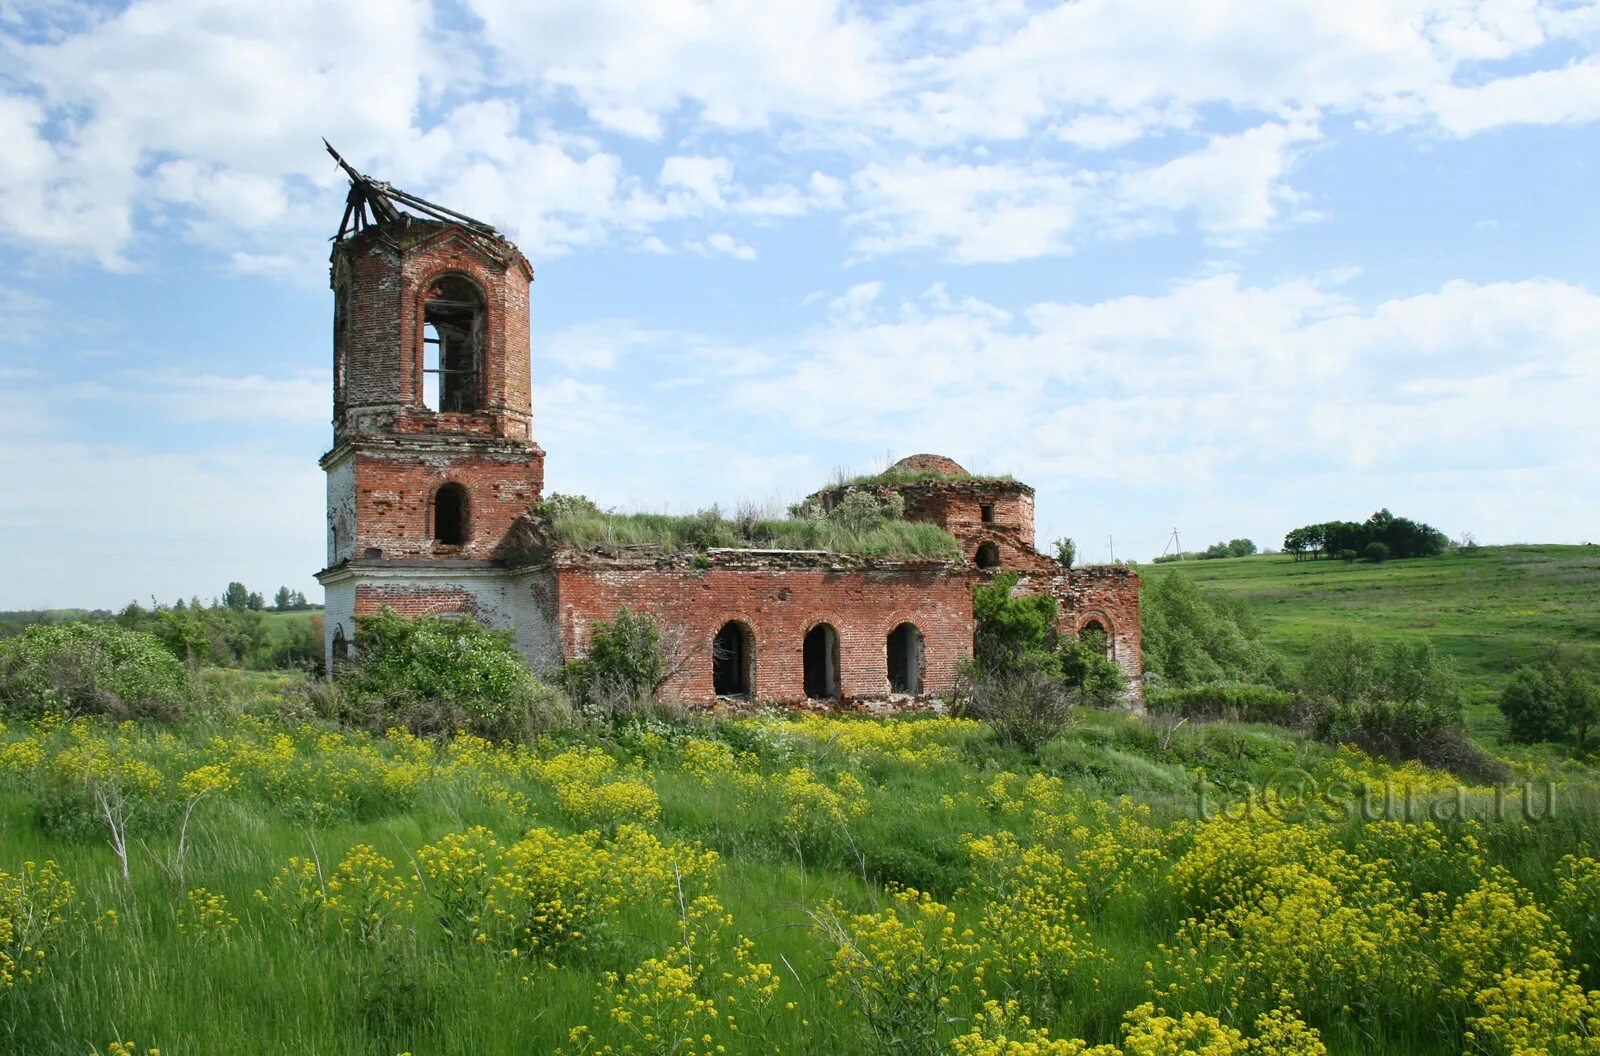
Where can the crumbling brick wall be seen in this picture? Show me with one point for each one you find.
(779, 600)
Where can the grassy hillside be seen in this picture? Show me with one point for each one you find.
(1489, 609)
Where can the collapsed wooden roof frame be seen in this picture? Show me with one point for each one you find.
(373, 202)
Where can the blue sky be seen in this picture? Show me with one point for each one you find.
(1229, 267)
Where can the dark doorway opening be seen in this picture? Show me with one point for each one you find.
(988, 556)
(450, 515)
(905, 659)
(822, 662)
(732, 661)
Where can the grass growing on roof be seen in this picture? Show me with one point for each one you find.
(582, 529)
(891, 477)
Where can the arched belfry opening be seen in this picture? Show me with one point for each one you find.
(733, 661)
(450, 515)
(452, 344)
(988, 556)
(905, 648)
(821, 661)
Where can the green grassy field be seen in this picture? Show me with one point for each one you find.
(1489, 609)
(398, 932)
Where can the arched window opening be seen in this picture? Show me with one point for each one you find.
(452, 345)
(450, 515)
(341, 311)
(905, 659)
(733, 661)
(821, 649)
(341, 647)
(988, 556)
(1094, 632)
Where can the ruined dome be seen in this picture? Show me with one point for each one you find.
(945, 467)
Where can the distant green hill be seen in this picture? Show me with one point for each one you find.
(1489, 609)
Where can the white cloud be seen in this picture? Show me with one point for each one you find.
(140, 523)
(1215, 379)
(1001, 211)
(734, 63)
(1569, 95)
(1234, 185)
(969, 212)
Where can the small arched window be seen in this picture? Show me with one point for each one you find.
(340, 649)
(450, 515)
(988, 556)
(452, 344)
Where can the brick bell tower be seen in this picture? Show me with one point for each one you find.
(433, 456)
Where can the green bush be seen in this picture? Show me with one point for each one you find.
(1345, 668)
(1546, 702)
(1094, 677)
(91, 669)
(1012, 631)
(1193, 637)
(1025, 703)
(624, 669)
(1236, 701)
(440, 674)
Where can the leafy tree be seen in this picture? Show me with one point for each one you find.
(236, 597)
(1241, 547)
(1346, 668)
(255, 602)
(1066, 551)
(1013, 632)
(1376, 552)
(1550, 701)
(283, 599)
(1192, 637)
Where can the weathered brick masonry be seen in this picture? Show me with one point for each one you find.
(434, 471)
(780, 599)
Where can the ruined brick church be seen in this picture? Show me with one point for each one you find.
(434, 477)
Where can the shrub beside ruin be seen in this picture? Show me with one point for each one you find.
(91, 669)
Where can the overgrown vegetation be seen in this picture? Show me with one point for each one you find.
(1397, 699)
(895, 477)
(624, 670)
(238, 629)
(440, 675)
(824, 885)
(1022, 679)
(861, 526)
(90, 669)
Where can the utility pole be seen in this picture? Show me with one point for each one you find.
(1177, 545)
(1111, 543)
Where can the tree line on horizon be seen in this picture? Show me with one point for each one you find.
(1379, 538)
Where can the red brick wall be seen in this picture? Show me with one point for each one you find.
(1107, 593)
(780, 606)
(395, 490)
